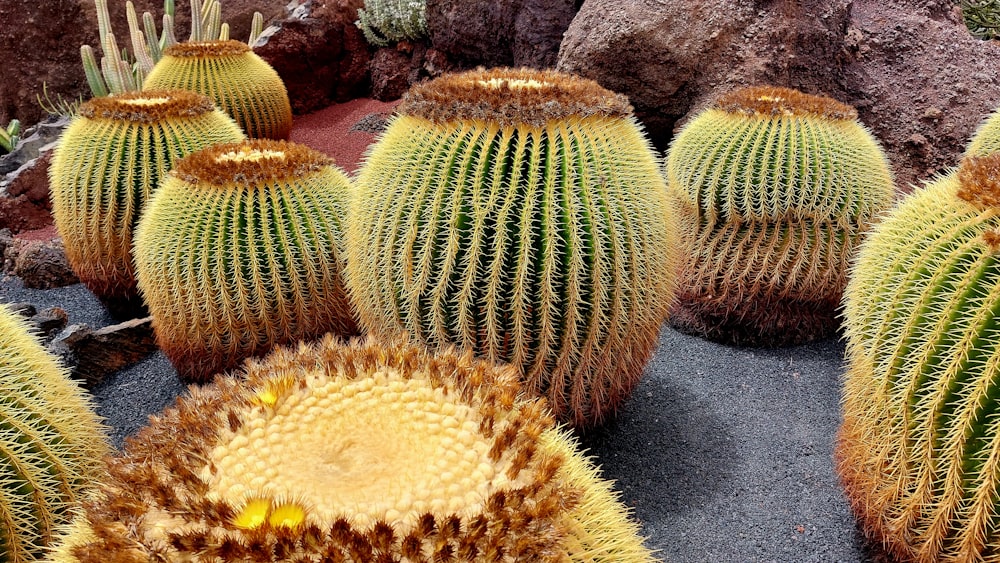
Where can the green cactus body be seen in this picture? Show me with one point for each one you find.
(229, 72)
(108, 162)
(51, 444)
(776, 189)
(987, 137)
(519, 214)
(373, 451)
(241, 249)
(919, 449)
(384, 22)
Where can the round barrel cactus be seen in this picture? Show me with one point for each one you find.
(107, 163)
(230, 73)
(776, 189)
(241, 249)
(917, 451)
(519, 214)
(362, 452)
(987, 137)
(51, 444)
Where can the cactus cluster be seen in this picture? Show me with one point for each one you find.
(917, 449)
(241, 249)
(361, 452)
(51, 444)
(519, 214)
(776, 189)
(109, 160)
(10, 135)
(384, 22)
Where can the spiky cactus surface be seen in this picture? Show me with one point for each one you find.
(384, 22)
(51, 444)
(987, 137)
(777, 188)
(519, 214)
(241, 249)
(357, 453)
(108, 162)
(917, 451)
(239, 81)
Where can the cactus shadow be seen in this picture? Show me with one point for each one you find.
(666, 453)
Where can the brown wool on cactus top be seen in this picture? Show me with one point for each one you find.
(512, 97)
(249, 163)
(192, 49)
(777, 101)
(979, 180)
(147, 106)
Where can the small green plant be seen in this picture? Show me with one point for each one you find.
(10, 135)
(982, 17)
(119, 71)
(384, 22)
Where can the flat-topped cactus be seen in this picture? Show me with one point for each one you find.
(241, 249)
(917, 452)
(230, 73)
(108, 162)
(357, 453)
(51, 444)
(777, 188)
(519, 214)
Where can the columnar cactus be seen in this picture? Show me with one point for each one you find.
(917, 451)
(361, 452)
(519, 214)
(241, 249)
(51, 444)
(777, 188)
(108, 161)
(239, 81)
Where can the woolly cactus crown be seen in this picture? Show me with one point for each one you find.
(147, 106)
(365, 452)
(251, 163)
(786, 102)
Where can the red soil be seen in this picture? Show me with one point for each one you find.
(329, 130)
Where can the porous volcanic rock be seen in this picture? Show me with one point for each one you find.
(24, 203)
(92, 355)
(394, 69)
(499, 32)
(41, 264)
(320, 54)
(919, 80)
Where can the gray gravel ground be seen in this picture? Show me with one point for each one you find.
(724, 454)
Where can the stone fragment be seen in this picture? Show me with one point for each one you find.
(92, 355)
(41, 264)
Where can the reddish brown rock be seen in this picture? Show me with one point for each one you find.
(320, 54)
(394, 69)
(499, 33)
(920, 81)
(41, 264)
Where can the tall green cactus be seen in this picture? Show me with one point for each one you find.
(519, 214)
(229, 72)
(241, 249)
(776, 188)
(51, 444)
(918, 448)
(366, 452)
(108, 161)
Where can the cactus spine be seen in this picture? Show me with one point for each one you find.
(361, 452)
(51, 444)
(108, 162)
(241, 249)
(917, 451)
(384, 22)
(776, 189)
(987, 137)
(519, 214)
(239, 81)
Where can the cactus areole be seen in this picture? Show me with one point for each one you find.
(918, 448)
(368, 452)
(776, 189)
(519, 214)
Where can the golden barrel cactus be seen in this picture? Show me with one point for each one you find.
(918, 448)
(777, 189)
(987, 137)
(519, 214)
(357, 453)
(107, 163)
(51, 444)
(229, 72)
(241, 249)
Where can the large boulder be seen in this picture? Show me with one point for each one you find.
(920, 81)
(499, 32)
